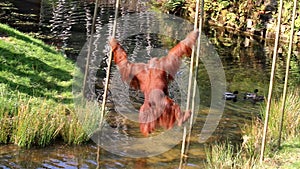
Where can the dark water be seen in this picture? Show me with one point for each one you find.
(66, 24)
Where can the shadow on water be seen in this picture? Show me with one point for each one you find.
(245, 60)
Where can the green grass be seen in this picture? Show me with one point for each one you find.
(288, 156)
(246, 155)
(226, 155)
(36, 101)
(37, 124)
(33, 68)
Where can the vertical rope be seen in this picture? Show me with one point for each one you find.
(107, 79)
(183, 148)
(195, 76)
(265, 129)
(287, 72)
(87, 64)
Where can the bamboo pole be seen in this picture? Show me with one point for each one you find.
(265, 129)
(195, 77)
(107, 78)
(184, 148)
(287, 72)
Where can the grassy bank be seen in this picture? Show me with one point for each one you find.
(287, 157)
(36, 102)
(246, 155)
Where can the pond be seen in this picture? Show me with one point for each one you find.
(246, 62)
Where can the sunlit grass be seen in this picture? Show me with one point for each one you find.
(82, 124)
(291, 123)
(225, 155)
(33, 68)
(36, 100)
(37, 124)
(28, 121)
(5, 127)
(287, 157)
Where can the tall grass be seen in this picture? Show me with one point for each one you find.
(225, 155)
(82, 124)
(5, 129)
(8, 108)
(36, 101)
(39, 122)
(291, 123)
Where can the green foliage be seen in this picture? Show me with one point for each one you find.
(297, 23)
(231, 13)
(33, 68)
(37, 123)
(291, 125)
(36, 101)
(83, 124)
(225, 155)
(235, 14)
(286, 18)
(5, 127)
(172, 5)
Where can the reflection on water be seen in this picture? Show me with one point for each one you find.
(246, 62)
(84, 156)
(57, 156)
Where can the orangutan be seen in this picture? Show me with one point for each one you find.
(152, 80)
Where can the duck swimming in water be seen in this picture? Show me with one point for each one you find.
(231, 96)
(254, 97)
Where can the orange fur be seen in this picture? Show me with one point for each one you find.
(152, 79)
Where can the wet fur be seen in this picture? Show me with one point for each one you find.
(153, 79)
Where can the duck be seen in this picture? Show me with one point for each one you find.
(253, 96)
(230, 96)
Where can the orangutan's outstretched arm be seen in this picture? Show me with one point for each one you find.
(127, 69)
(172, 61)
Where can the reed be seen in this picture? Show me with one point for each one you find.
(36, 101)
(225, 155)
(8, 105)
(5, 129)
(82, 123)
(291, 123)
(38, 122)
(220, 156)
(252, 135)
